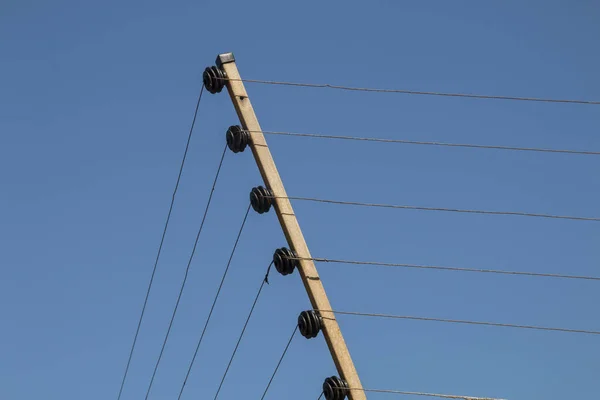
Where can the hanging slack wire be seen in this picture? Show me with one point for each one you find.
(187, 270)
(279, 363)
(430, 143)
(212, 308)
(265, 280)
(458, 321)
(442, 268)
(441, 396)
(162, 240)
(456, 210)
(417, 92)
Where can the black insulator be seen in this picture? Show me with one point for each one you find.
(335, 388)
(309, 323)
(214, 79)
(285, 261)
(237, 138)
(261, 199)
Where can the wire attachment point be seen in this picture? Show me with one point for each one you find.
(214, 79)
(335, 388)
(310, 324)
(261, 200)
(237, 138)
(285, 261)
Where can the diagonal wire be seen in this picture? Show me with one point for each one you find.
(456, 210)
(429, 143)
(321, 395)
(137, 331)
(187, 270)
(459, 321)
(417, 92)
(279, 363)
(437, 267)
(442, 396)
(187, 375)
(265, 280)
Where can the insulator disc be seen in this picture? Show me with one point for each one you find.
(309, 324)
(214, 79)
(285, 261)
(335, 388)
(237, 138)
(261, 199)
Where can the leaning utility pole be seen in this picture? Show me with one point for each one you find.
(226, 74)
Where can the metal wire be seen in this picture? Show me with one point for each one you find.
(265, 280)
(429, 143)
(417, 92)
(279, 363)
(187, 375)
(458, 321)
(437, 267)
(162, 240)
(187, 270)
(456, 210)
(426, 394)
(442, 396)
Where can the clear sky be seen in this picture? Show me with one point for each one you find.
(95, 103)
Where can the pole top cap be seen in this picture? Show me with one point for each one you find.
(224, 59)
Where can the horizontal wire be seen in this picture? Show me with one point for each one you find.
(416, 92)
(445, 396)
(429, 143)
(442, 396)
(459, 321)
(443, 268)
(422, 208)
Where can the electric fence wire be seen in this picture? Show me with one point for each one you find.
(279, 362)
(265, 280)
(441, 396)
(455, 210)
(187, 270)
(212, 308)
(416, 92)
(137, 331)
(428, 143)
(443, 268)
(459, 321)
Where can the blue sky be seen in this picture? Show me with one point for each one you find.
(96, 100)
